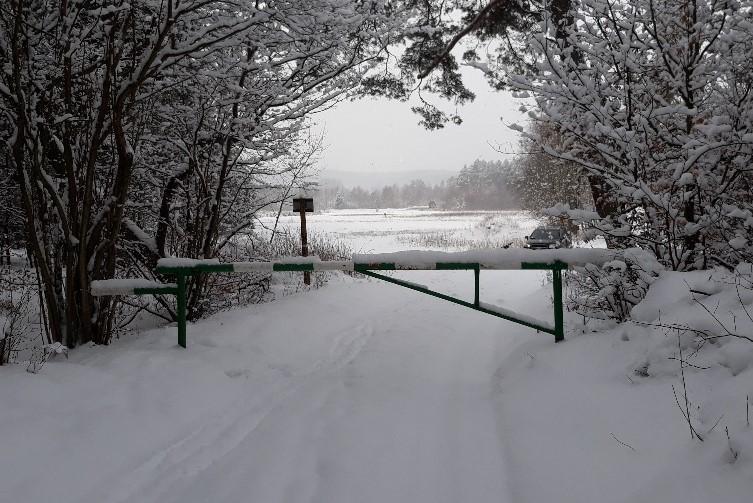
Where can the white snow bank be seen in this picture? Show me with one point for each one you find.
(596, 419)
(704, 313)
(125, 286)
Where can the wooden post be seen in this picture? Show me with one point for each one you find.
(303, 205)
(304, 244)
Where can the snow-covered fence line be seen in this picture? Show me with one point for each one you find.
(476, 260)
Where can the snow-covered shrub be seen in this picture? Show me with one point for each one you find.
(223, 291)
(324, 246)
(612, 290)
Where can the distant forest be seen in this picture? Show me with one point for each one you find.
(480, 185)
(526, 182)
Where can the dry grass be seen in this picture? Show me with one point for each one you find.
(447, 240)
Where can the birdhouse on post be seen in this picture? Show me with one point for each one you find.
(304, 205)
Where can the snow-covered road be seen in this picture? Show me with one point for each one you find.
(361, 391)
(395, 412)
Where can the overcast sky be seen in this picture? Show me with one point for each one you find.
(383, 135)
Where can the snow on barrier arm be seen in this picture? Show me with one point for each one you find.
(508, 314)
(500, 259)
(131, 286)
(290, 264)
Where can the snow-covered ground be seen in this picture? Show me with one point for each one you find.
(364, 391)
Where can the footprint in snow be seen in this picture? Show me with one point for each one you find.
(233, 373)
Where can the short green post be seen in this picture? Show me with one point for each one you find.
(476, 273)
(181, 309)
(559, 322)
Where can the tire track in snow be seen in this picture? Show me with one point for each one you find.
(222, 433)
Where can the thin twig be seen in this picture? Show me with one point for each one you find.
(742, 304)
(688, 364)
(692, 290)
(703, 333)
(685, 389)
(717, 422)
(732, 451)
(622, 443)
(685, 411)
(684, 414)
(720, 323)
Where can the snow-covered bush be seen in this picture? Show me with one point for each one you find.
(323, 245)
(223, 291)
(612, 290)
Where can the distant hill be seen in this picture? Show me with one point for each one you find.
(378, 179)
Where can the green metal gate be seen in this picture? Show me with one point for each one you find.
(373, 266)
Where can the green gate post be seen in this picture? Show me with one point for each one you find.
(559, 328)
(476, 273)
(181, 309)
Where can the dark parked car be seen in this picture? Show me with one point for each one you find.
(548, 237)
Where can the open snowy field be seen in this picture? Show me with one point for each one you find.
(388, 230)
(365, 391)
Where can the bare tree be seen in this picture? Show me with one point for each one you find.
(93, 92)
